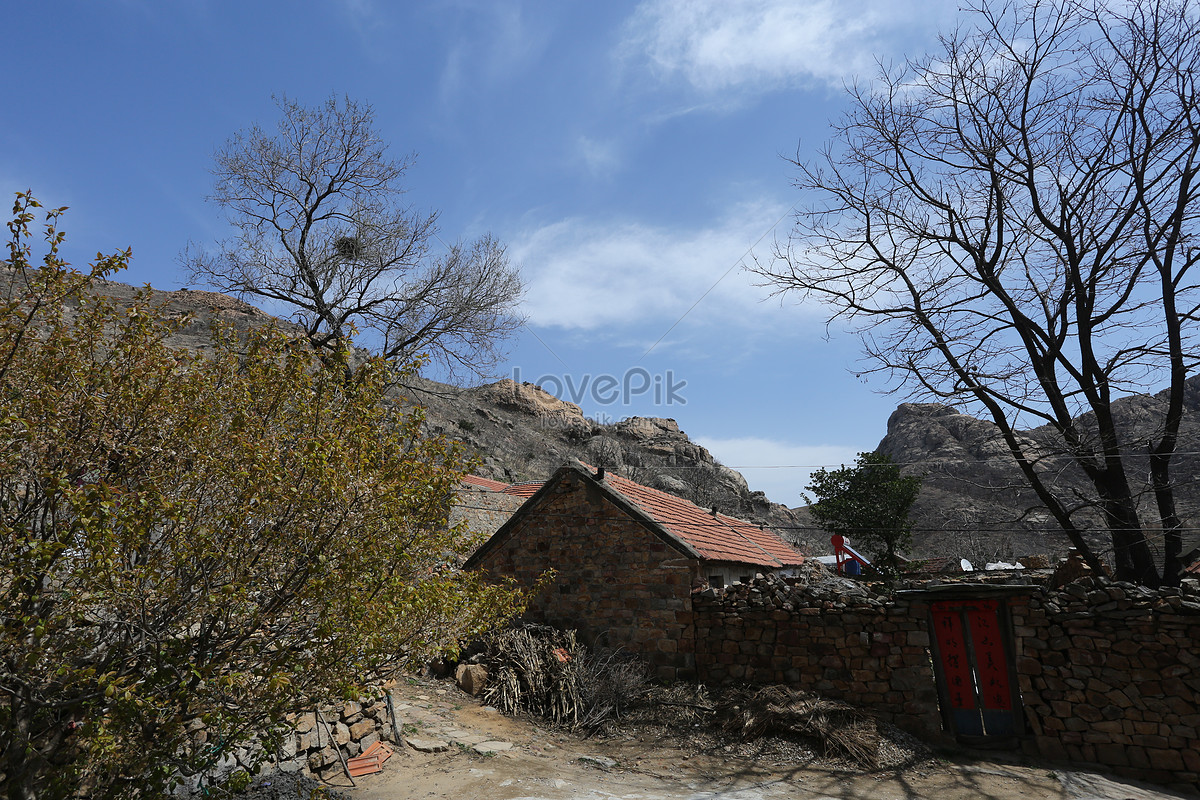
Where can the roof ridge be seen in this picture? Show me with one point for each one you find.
(733, 530)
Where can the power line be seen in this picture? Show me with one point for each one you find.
(1156, 533)
(732, 267)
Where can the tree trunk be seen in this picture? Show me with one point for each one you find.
(20, 762)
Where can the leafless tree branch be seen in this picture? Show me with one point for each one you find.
(1011, 224)
(320, 226)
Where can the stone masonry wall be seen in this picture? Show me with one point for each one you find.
(618, 583)
(838, 640)
(484, 511)
(314, 743)
(1109, 673)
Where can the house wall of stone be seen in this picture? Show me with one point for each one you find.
(617, 583)
(1109, 673)
(725, 573)
(484, 511)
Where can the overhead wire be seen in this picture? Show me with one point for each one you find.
(1159, 533)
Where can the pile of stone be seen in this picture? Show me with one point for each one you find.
(812, 588)
(324, 739)
(314, 744)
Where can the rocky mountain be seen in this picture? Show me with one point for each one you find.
(518, 431)
(974, 501)
(523, 433)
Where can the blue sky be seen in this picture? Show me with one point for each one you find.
(631, 155)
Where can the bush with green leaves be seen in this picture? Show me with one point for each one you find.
(190, 541)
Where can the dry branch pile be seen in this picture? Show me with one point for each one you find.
(544, 671)
(841, 728)
(534, 669)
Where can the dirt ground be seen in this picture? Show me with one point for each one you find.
(492, 757)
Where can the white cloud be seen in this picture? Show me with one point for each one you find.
(778, 468)
(586, 274)
(600, 157)
(493, 43)
(718, 45)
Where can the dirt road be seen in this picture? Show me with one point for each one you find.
(492, 757)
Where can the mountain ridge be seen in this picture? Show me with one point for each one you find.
(973, 504)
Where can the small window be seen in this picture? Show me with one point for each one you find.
(716, 581)
(744, 579)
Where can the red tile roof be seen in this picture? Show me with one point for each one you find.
(484, 483)
(527, 489)
(715, 537)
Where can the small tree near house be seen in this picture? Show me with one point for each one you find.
(868, 504)
(197, 542)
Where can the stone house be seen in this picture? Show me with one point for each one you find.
(626, 559)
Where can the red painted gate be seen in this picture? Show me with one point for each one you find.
(973, 664)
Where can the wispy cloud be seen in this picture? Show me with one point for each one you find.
(372, 24)
(781, 469)
(719, 45)
(492, 43)
(600, 157)
(587, 274)
(516, 40)
(364, 12)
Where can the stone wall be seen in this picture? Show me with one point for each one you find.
(484, 511)
(1109, 673)
(838, 640)
(620, 585)
(310, 743)
(349, 728)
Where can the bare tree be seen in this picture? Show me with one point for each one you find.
(1011, 223)
(321, 226)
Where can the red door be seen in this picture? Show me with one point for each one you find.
(974, 667)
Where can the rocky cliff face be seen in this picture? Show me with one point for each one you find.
(523, 433)
(974, 502)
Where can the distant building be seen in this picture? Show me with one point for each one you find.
(485, 504)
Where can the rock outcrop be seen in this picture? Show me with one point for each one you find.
(519, 431)
(523, 433)
(975, 496)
